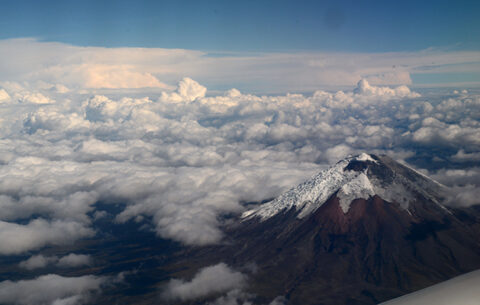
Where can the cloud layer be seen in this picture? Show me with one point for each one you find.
(51, 63)
(181, 160)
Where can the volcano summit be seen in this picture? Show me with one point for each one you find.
(360, 177)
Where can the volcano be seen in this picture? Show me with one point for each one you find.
(366, 230)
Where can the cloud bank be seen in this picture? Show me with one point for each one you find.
(51, 63)
(181, 160)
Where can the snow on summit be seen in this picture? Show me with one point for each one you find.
(365, 157)
(357, 177)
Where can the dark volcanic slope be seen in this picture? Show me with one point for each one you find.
(376, 250)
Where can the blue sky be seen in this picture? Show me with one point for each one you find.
(366, 26)
(241, 28)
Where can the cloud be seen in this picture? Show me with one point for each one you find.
(464, 196)
(280, 300)
(117, 77)
(37, 262)
(86, 67)
(446, 135)
(35, 98)
(71, 260)
(390, 78)
(74, 260)
(364, 88)
(182, 160)
(338, 152)
(209, 280)
(459, 177)
(17, 238)
(451, 123)
(462, 156)
(113, 68)
(190, 89)
(234, 297)
(51, 289)
(4, 96)
(464, 185)
(101, 108)
(187, 90)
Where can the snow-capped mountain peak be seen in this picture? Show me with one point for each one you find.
(357, 177)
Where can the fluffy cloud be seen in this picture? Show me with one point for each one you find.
(51, 289)
(234, 297)
(37, 261)
(364, 88)
(117, 77)
(17, 238)
(209, 280)
(464, 196)
(464, 184)
(458, 177)
(35, 98)
(337, 152)
(74, 260)
(69, 261)
(280, 300)
(4, 96)
(462, 156)
(188, 90)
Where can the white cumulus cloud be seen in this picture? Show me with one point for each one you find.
(50, 289)
(71, 260)
(17, 238)
(37, 262)
(209, 280)
(74, 260)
